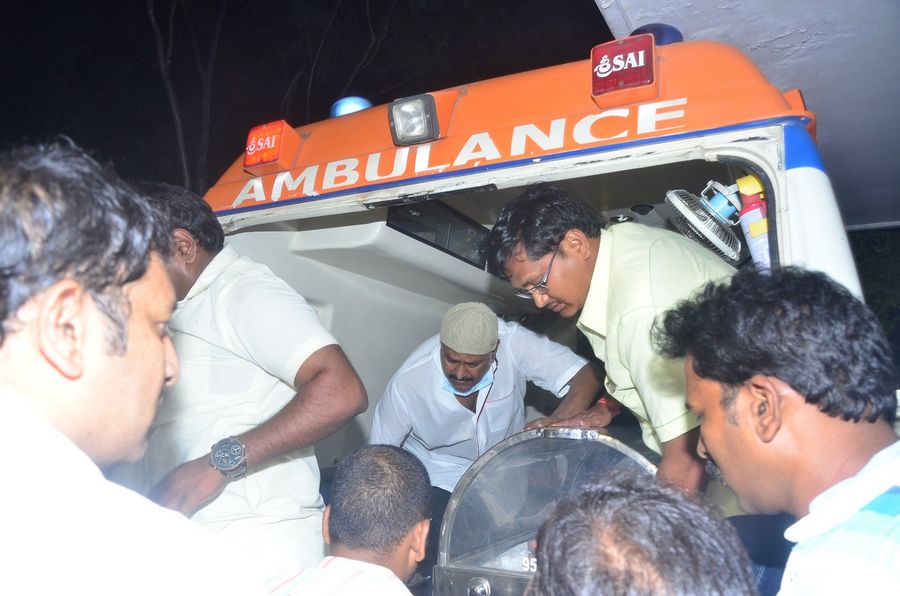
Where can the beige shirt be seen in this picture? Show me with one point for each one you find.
(640, 273)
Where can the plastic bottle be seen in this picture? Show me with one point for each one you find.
(754, 220)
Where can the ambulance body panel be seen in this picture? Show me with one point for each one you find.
(380, 238)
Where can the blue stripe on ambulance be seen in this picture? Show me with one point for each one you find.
(800, 150)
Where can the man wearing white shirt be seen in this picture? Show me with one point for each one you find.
(376, 525)
(262, 380)
(462, 391)
(84, 355)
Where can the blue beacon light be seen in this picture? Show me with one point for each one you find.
(348, 105)
(662, 34)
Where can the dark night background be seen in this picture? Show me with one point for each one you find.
(90, 70)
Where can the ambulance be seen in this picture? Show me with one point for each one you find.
(376, 217)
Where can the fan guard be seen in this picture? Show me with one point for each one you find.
(694, 220)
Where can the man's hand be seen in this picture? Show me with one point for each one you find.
(189, 487)
(574, 409)
(596, 418)
(542, 422)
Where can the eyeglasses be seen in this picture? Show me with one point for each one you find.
(540, 288)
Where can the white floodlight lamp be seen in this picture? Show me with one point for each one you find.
(413, 120)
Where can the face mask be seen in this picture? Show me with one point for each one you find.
(486, 380)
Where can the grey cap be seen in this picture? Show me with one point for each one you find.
(470, 328)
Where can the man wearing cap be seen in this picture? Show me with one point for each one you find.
(462, 391)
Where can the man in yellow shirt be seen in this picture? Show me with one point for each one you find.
(561, 255)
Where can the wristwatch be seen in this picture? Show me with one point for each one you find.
(229, 457)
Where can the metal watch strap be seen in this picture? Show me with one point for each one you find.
(238, 472)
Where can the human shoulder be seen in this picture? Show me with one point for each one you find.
(869, 494)
(420, 364)
(516, 338)
(868, 541)
(678, 263)
(508, 328)
(422, 353)
(656, 268)
(242, 272)
(243, 292)
(340, 576)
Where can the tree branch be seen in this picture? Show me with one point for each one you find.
(206, 98)
(164, 58)
(372, 48)
(312, 69)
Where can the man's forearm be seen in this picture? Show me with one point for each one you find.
(583, 390)
(680, 463)
(329, 394)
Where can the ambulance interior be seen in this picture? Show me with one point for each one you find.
(382, 278)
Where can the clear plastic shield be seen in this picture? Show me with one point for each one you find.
(494, 514)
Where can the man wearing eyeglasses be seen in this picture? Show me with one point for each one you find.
(561, 255)
(462, 391)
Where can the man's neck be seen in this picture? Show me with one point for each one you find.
(191, 272)
(468, 401)
(842, 450)
(204, 258)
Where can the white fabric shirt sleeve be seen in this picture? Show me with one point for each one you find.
(392, 421)
(272, 324)
(543, 361)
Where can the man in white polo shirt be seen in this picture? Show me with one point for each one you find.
(462, 391)
(262, 380)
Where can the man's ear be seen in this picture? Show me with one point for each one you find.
(766, 405)
(326, 516)
(61, 317)
(186, 246)
(419, 535)
(575, 245)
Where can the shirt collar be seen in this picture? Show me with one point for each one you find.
(223, 259)
(593, 315)
(838, 503)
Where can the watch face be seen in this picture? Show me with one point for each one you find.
(227, 454)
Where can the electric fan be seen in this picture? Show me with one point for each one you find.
(708, 220)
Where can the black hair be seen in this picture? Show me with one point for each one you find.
(379, 493)
(63, 215)
(796, 325)
(537, 221)
(630, 535)
(188, 211)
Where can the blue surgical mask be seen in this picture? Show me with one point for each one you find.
(485, 381)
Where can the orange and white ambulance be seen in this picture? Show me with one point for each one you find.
(376, 217)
